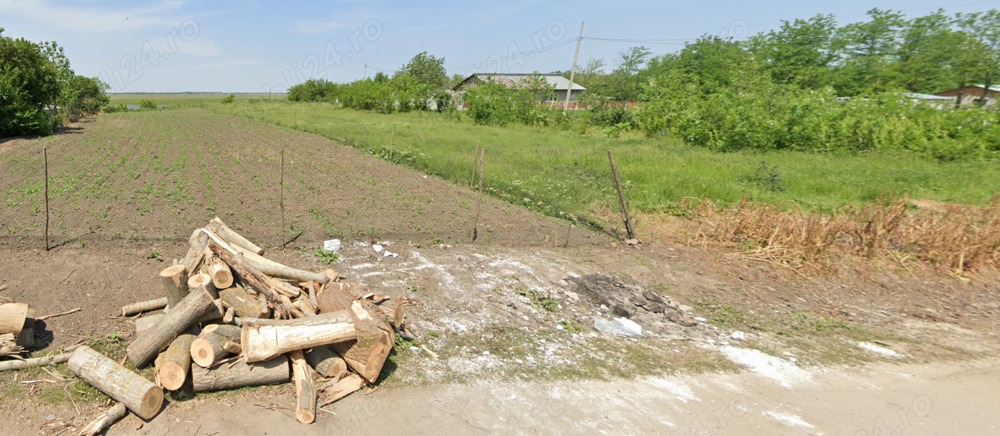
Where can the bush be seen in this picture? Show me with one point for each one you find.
(229, 99)
(147, 104)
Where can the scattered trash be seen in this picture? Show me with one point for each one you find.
(377, 247)
(332, 245)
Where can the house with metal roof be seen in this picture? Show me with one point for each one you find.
(974, 94)
(560, 84)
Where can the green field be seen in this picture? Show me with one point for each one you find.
(562, 172)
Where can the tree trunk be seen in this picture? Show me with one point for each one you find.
(263, 342)
(174, 279)
(375, 337)
(240, 374)
(326, 362)
(187, 312)
(222, 277)
(275, 269)
(145, 306)
(245, 305)
(202, 280)
(227, 234)
(305, 390)
(334, 317)
(141, 396)
(209, 347)
(195, 254)
(342, 388)
(173, 364)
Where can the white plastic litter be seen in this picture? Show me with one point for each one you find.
(331, 245)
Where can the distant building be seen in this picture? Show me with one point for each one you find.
(973, 93)
(559, 83)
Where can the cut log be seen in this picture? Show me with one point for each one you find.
(222, 277)
(104, 420)
(240, 374)
(263, 342)
(144, 306)
(284, 288)
(305, 307)
(175, 286)
(229, 316)
(193, 259)
(209, 347)
(12, 365)
(202, 280)
(281, 271)
(13, 317)
(258, 281)
(305, 390)
(144, 323)
(180, 318)
(173, 364)
(340, 389)
(141, 396)
(326, 362)
(323, 318)
(246, 305)
(375, 337)
(229, 235)
(232, 347)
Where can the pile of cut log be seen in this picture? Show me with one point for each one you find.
(233, 318)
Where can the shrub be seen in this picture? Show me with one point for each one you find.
(147, 104)
(228, 99)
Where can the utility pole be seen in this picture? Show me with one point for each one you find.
(365, 74)
(572, 72)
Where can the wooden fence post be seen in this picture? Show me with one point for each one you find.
(45, 157)
(621, 197)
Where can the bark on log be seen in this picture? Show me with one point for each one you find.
(209, 347)
(263, 342)
(141, 396)
(173, 364)
(104, 420)
(305, 390)
(174, 279)
(258, 281)
(326, 362)
(229, 235)
(240, 374)
(144, 323)
(305, 307)
(275, 269)
(375, 337)
(180, 318)
(323, 318)
(144, 306)
(12, 365)
(195, 254)
(245, 305)
(342, 388)
(13, 317)
(222, 277)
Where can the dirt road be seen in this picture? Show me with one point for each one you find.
(934, 399)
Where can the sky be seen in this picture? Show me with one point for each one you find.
(266, 46)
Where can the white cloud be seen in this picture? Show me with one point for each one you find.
(90, 20)
(202, 47)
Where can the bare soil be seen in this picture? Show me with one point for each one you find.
(511, 315)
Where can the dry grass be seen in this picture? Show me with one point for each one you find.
(957, 237)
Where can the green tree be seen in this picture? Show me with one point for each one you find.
(800, 52)
(28, 82)
(425, 69)
(868, 50)
(925, 51)
(984, 27)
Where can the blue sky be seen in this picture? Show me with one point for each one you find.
(257, 46)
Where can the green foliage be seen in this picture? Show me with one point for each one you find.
(229, 99)
(767, 177)
(314, 90)
(28, 83)
(326, 257)
(426, 70)
(147, 104)
(496, 104)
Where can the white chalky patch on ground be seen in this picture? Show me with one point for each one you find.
(679, 390)
(881, 351)
(780, 370)
(789, 420)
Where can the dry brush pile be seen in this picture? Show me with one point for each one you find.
(960, 238)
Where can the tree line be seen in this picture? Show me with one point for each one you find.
(39, 89)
